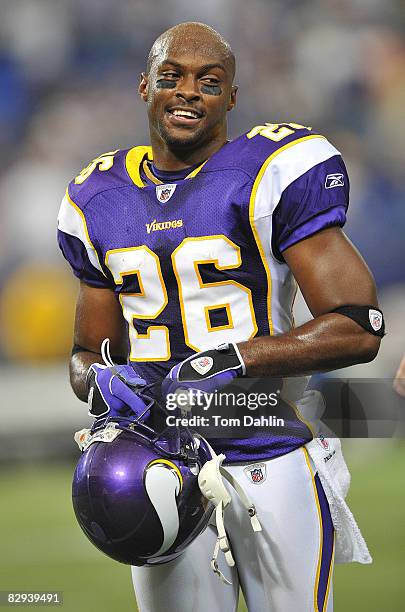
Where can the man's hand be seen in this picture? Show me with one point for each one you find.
(113, 391)
(206, 371)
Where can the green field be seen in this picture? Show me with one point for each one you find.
(42, 548)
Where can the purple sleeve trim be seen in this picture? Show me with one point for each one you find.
(335, 217)
(315, 201)
(75, 253)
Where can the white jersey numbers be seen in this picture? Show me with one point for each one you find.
(275, 131)
(199, 300)
(147, 303)
(104, 162)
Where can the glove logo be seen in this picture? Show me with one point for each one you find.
(375, 318)
(202, 365)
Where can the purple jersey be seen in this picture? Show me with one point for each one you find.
(198, 261)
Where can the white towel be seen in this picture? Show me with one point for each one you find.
(328, 461)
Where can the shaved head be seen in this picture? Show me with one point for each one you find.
(192, 36)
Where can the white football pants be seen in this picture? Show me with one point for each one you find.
(285, 568)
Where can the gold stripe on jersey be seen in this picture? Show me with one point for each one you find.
(83, 218)
(149, 173)
(325, 603)
(196, 170)
(252, 221)
(133, 162)
(298, 414)
(136, 157)
(318, 508)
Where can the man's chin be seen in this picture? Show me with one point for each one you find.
(183, 139)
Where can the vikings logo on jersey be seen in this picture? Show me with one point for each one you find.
(218, 275)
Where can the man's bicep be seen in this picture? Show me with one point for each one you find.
(330, 272)
(99, 316)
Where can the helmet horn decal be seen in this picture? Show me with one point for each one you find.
(171, 465)
(162, 484)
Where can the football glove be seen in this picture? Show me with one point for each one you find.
(206, 371)
(113, 391)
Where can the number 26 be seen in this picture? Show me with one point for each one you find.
(197, 298)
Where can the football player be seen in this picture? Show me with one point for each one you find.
(195, 244)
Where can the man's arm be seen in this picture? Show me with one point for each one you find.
(98, 316)
(330, 273)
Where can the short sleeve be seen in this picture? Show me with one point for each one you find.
(76, 246)
(315, 201)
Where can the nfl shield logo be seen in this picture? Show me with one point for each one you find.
(256, 473)
(323, 442)
(202, 365)
(375, 318)
(165, 192)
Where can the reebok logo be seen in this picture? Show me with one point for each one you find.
(164, 225)
(334, 180)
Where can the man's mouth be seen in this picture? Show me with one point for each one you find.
(184, 116)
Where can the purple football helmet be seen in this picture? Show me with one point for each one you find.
(137, 497)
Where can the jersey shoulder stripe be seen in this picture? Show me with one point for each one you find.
(283, 167)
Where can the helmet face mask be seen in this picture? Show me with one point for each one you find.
(137, 497)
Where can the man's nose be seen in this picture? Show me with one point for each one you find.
(188, 89)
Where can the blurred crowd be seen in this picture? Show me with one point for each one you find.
(69, 71)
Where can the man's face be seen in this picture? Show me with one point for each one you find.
(188, 92)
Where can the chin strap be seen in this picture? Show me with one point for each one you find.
(210, 480)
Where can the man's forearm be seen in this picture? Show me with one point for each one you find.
(78, 368)
(326, 343)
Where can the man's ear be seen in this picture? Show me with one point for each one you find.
(144, 86)
(232, 98)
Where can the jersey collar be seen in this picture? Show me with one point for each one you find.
(133, 164)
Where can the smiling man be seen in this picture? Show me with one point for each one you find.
(194, 243)
(192, 124)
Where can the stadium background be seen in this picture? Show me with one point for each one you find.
(68, 79)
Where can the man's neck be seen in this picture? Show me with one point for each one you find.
(172, 159)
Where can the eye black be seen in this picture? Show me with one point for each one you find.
(212, 89)
(166, 83)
